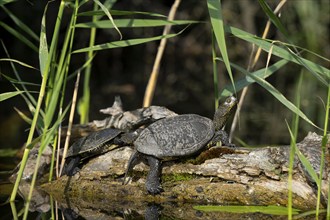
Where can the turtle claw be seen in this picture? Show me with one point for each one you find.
(230, 145)
(154, 190)
(153, 187)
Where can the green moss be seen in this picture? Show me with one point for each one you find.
(178, 177)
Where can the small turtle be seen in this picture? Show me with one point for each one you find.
(176, 137)
(94, 144)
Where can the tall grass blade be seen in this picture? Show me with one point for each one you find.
(14, 210)
(20, 24)
(19, 82)
(273, 18)
(308, 166)
(215, 11)
(83, 109)
(293, 148)
(106, 11)
(291, 161)
(43, 46)
(30, 100)
(83, 103)
(23, 116)
(124, 43)
(295, 125)
(215, 74)
(3, 2)
(328, 207)
(19, 36)
(320, 72)
(46, 138)
(277, 94)
(8, 95)
(18, 62)
(246, 81)
(295, 121)
(63, 71)
(133, 23)
(60, 74)
(324, 154)
(40, 99)
(120, 13)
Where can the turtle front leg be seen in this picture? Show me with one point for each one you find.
(71, 166)
(221, 136)
(153, 179)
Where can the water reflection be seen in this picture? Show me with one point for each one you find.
(75, 208)
(110, 210)
(128, 210)
(78, 208)
(152, 212)
(41, 207)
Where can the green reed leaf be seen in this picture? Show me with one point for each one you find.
(124, 43)
(119, 13)
(133, 23)
(214, 7)
(8, 95)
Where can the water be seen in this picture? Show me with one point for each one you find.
(126, 210)
(42, 206)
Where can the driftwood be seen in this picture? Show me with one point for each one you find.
(234, 176)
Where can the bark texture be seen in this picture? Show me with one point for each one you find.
(219, 176)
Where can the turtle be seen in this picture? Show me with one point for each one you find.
(176, 137)
(96, 143)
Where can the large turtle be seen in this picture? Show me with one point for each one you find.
(94, 144)
(176, 137)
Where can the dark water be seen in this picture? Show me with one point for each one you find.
(129, 210)
(42, 206)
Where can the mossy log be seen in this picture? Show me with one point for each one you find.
(226, 176)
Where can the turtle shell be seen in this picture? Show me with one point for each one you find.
(93, 143)
(177, 136)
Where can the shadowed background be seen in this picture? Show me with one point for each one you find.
(185, 83)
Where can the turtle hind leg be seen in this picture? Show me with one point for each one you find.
(135, 158)
(71, 166)
(153, 179)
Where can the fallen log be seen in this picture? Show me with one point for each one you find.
(241, 176)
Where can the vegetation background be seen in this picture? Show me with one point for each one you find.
(186, 79)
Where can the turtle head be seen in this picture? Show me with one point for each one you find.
(224, 111)
(128, 138)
